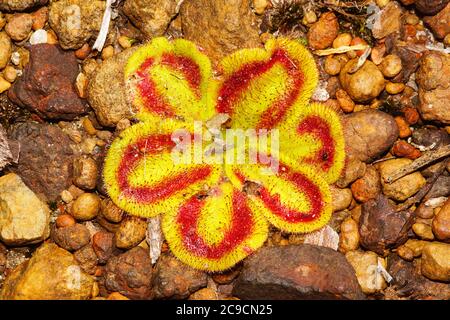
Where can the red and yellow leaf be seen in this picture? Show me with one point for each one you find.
(215, 232)
(315, 137)
(292, 200)
(260, 88)
(169, 80)
(141, 176)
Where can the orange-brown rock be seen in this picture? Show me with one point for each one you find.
(367, 187)
(322, 33)
(403, 149)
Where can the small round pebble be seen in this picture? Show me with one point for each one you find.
(10, 74)
(332, 66)
(343, 39)
(394, 88)
(403, 127)
(107, 52)
(86, 207)
(391, 66)
(65, 220)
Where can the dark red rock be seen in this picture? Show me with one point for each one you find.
(409, 283)
(175, 280)
(430, 7)
(130, 274)
(380, 227)
(103, 244)
(47, 85)
(45, 161)
(71, 238)
(297, 272)
(87, 259)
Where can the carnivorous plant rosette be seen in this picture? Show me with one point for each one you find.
(216, 213)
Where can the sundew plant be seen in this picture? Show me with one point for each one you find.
(215, 206)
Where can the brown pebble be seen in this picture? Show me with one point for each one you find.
(403, 127)
(125, 42)
(83, 52)
(346, 103)
(423, 231)
(343, 39)
(391, 66)
(39, 18)
(394, 87)
(409, 31)
(107, 52)
(85, 172)
(116, 296)
(81, 85)
(367, 187)
(88, 126)
(52, 38)
(441, 223)
(405, 253)
(65, 220)
(411, 115)
(403, 149)
(332, 66)
(323, 32)
(204, 294)
(86, 206)
(424, 212)
(103, 245)
(110, 211)
(356, 213)
(19, 26)
(75, 191)
(412, 19)
(10, 74)
(349, 238)
(377, 53)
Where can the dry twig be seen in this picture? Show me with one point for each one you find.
(419, 163)
(421, 195)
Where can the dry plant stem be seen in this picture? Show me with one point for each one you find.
(421, 195)
(361, 61)
(425, 159)
(342, 49)
(383, 160)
